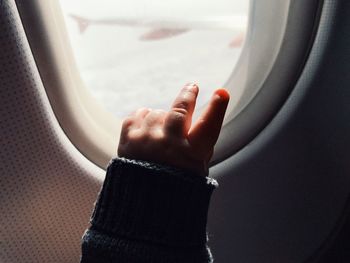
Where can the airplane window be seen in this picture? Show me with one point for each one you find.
(138, 53)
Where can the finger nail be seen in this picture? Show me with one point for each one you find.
(191, 87)
(217, 97)
(222, 94)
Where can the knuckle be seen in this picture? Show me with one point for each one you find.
(154, 118)
(156, 135)
(157, 114)
(159, 111)
(142, 109)
(127, 122)
(177, 111)
(174, 125)
(176, 117)
(182, 105)
(134, 135)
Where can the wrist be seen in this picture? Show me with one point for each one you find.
(146, 201)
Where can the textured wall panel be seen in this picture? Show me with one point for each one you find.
(47, 188)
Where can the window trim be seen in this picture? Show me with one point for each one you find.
(94, 131)
(242, 126)
(91, 129)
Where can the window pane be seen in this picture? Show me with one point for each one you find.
(139, 53)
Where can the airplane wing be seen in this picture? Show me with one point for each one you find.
(237, 23)
(163, 28)
(82, 23)
(161, 33)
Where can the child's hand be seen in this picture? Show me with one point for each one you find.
(168, 137)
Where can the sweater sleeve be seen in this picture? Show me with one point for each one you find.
(150, 213)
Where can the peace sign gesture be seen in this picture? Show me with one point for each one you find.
(170, 138)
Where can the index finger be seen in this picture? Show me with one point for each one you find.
(179, 118)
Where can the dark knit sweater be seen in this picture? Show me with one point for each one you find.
(150, 213)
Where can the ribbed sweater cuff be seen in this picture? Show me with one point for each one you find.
(144, 201)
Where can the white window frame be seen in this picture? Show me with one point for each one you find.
(256, 98)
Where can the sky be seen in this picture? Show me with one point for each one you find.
(138, 64)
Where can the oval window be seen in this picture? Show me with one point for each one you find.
(135, 54)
